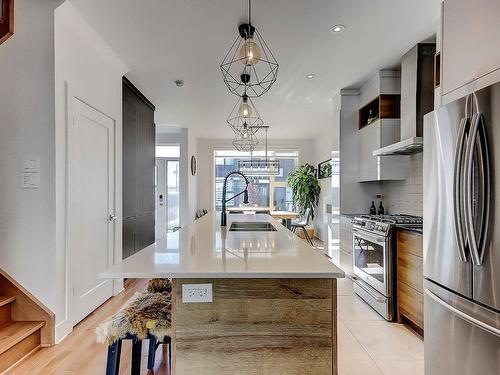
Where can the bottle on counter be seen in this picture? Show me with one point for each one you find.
(381, 209)
(373, 209)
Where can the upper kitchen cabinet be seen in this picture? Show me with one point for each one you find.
(379, 126)
(470, 53)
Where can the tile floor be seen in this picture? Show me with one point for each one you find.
(368, 345)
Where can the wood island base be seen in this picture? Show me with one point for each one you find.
(256, 327)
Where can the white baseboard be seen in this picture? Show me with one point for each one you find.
(63, 329)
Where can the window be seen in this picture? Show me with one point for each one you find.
(171, 151)
(270, 192)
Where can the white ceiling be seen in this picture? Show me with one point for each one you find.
(164, 40)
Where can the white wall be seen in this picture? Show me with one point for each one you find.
(27, 217)
(206, 147)
(87, 67)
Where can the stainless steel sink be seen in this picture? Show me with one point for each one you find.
(251, 226)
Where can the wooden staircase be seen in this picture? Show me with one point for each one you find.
(25, 324)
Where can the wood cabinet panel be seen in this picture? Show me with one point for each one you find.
(128, 237)
(129, 155)
(257, 327)
(138, 170)
(410, 242)
(411, 304)
(410, 270)
(410, 277)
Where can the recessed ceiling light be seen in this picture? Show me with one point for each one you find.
(337, 28)
(179, 83)
(311, 76)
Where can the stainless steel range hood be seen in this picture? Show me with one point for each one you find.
(417, 99)
(409, 146)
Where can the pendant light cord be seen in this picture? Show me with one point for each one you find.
(266, 147)
(249, 12)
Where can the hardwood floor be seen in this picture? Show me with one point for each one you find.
(80, 354)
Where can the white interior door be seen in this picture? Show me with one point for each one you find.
(91, 149)
(161, 198)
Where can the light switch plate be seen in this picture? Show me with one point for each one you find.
(31, 181)
(197, 293)
(31, 164)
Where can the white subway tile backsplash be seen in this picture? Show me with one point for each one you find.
(405, 197)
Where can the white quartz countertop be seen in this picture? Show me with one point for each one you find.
(204, 249)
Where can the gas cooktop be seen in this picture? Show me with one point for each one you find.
(394, 219)
(382, 224)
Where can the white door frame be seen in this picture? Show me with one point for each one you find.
(165, 199)
(161, 188)
(116, 253)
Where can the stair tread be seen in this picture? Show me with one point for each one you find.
(4, 300)
(15, 332)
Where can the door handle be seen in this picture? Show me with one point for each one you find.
(375, 297)
(112, 217)
(457, 190)
(477, 143)
(469, 319)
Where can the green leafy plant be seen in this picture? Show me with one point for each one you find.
(305, 186)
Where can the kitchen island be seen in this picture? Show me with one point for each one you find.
(274, 298)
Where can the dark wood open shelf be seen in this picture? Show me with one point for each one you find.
(384, 106)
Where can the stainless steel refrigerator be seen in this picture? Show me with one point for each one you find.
(461, 178)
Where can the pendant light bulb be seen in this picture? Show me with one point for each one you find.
(244, 132)
(245, 108)
(250, 52)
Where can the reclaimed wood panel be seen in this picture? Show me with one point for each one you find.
(411, 304)
(410, 271)
(410, 242)
(410, 278)
(257, 327)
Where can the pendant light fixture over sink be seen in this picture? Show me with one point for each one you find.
(244, 117)
(249, 67)
(246, 141)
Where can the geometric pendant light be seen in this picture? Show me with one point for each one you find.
(244, 117)
(245, 141)
(249, 68)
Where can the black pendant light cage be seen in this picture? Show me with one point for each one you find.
(241, 124)
(249, 76)
(246, 142)
(261, 166)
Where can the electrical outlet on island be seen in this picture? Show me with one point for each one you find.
(197, 293)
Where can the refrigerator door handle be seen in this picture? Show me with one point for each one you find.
(458, 217)
(477, 145)
(478, 323)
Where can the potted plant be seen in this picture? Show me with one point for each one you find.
(305, 186)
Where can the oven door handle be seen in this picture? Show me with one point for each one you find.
(375, 297)
(369, 237)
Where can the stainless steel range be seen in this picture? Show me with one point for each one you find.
(374, 259)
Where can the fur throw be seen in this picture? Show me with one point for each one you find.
(159, 285)
(144, 313)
